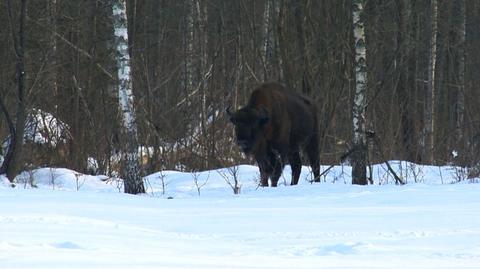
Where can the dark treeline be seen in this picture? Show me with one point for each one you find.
(192, 59)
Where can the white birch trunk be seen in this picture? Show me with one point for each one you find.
(429, 113)
(359, 175)
(133, 182)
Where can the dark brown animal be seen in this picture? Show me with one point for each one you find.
(273, 127)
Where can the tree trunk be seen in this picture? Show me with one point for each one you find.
(13, 158)
(267, 42)
(359, 155)
(285, 62)
(133, 181)
(429, 113)
(189, 49)
(302, 49)
(405, 85)
(202, 18)
(53, 44)
(460, 100)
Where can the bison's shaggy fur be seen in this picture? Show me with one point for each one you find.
(273, 127)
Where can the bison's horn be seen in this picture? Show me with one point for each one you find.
(228, 110)
(230, 114)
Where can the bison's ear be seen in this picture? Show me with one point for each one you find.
(263, 116)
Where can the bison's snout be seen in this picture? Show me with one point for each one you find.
(244, 145)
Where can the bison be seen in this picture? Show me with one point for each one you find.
(273, 127)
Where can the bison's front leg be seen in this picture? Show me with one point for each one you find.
(264, 172)
(270, 167)
(296, 165)
(263, 179)
(277, 168)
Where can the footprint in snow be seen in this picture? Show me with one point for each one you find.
(66, 245)
(348, 248)
(339, 249)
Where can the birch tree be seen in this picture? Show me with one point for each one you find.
(359, 163)
(133, 182)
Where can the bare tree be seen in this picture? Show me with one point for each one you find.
(133, 182)
(13, 158)
(267, 39)
(52, 14)
(404, 85)
(302, 48)
(199, 183)
(429, 112)
(190, 58)
(460, 97)
(359, 156)
(230, 175)
(189, 47)
(286, 68)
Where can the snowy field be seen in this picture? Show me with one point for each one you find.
(69, 220)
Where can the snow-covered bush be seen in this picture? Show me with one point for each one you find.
(45, 139)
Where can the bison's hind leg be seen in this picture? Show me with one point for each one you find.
(265, 172)
(296, 165)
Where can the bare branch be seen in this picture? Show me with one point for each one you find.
(82, 51)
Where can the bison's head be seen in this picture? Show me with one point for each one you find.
(249, 123)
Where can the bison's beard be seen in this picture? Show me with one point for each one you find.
(245, 145)
(247, 149)
(258, 146)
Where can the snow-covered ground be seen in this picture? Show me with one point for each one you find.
(71, 220)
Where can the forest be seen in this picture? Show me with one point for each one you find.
(192, 59)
